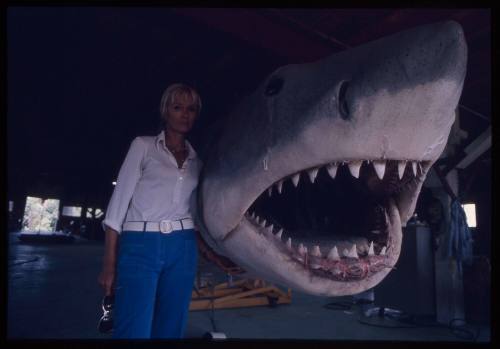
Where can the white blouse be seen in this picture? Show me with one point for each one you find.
(151, 187)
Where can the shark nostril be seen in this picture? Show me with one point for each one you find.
(343, 107)
(274, 86)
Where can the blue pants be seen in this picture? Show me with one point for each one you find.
(155, 277)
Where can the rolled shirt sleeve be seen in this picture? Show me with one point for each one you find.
(128, 177)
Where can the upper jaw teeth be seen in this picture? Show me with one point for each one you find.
(414, 167)
(379, 166)
(354, 166)
(312, 174)
(401, 168)
(332, 169)
(279, 185)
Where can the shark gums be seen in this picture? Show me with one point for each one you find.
(372, 120)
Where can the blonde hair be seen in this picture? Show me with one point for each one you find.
(175, 90)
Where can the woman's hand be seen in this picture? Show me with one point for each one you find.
(107, 276)
(107, 280)
(222, 262)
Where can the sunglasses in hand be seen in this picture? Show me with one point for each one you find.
(106, 321)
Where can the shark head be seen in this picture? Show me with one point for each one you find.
(371, 120)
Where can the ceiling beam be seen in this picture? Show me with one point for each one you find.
(476, 149)
(299, 25)
(401, 19)
(250, 26)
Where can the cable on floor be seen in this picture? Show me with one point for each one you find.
(346, 305)
(405, 320)
(24, 261)
(212, 312)
(412, 321)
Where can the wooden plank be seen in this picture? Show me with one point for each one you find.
(250, 302)
(218, 293)
(235, 283)
(235, 303)
(243, 294)
(271, 290)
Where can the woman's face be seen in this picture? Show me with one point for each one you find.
(181, 114)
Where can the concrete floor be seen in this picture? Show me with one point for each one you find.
(53, 293)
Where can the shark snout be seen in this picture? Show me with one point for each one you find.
(401, 101)
(440, 52)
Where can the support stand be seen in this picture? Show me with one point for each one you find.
(241, 293)
(237, 294)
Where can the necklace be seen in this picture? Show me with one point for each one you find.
(175, 151)
(178, 150)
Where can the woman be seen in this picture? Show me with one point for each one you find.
(150, 244)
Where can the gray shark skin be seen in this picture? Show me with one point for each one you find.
(387, 105)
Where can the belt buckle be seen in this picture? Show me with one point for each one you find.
(166, 226)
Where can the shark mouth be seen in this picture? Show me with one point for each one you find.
(364, 234)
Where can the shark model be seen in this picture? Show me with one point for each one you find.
(372, 120)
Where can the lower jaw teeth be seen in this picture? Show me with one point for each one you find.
(351, 264)
(351, 252)
(347, 269)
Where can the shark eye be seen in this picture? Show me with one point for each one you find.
(343, 108)
(274, 86)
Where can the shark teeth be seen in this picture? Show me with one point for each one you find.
(354, 167)
(414, 168)
(301, 249)
(312, 174)
(332, 169)
(279, 185)
(382, 168)
(352, 253)
(371, 251)
(379, 166)
(334, 254)
(269, 229)
(278, 234)
(316, 251)
(401, 168)
(384, 250)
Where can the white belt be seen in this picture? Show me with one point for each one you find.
(165, 226)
